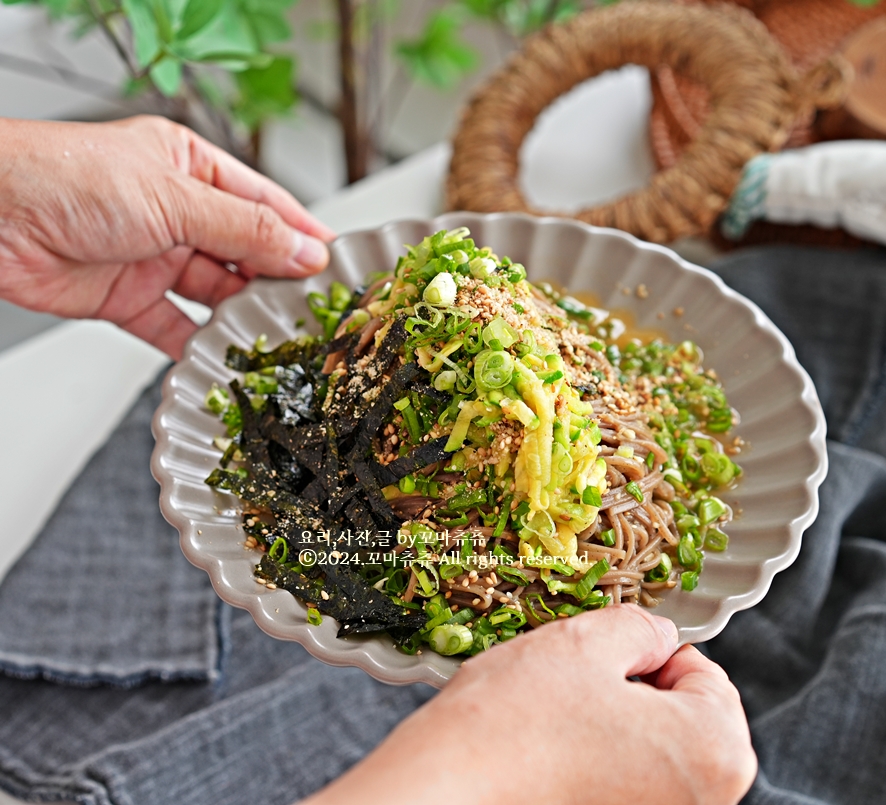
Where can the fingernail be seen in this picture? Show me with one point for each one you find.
(668, 627)
(308, 252)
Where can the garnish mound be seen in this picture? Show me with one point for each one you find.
(463, 454)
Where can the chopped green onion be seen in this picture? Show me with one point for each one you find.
(216, 399)
(467, 500)
(633, 489)
(461, 520)
(445, 380)
(513, 575)
(413, 426)
(662, 571)
(711, 509)
(451, 638)
(586, 586)
(687, 523)
(591, 497)
(441, 290)
(542, 604)
(407, 484)
(314, 617)
(260, 384)
(449, 570)
(503, 516)
(574, 308)
(507, 617)
(339, 296)
(493, 369)
(499, 330)
(279, 550)
(715, 540)
(718, 467)
(608, 537)
(516, 272)
(551, 376)
(650, 459)
(689, 580)
(687, 555)
(568, 609)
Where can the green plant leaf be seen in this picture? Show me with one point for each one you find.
(522, 17)
(163, 18)
(196, 16)
(265, 93)
(167, 75)
(237, 60)
(144, 30)
(269, 27)
(226, 33)
(133, 87)
(440, 56)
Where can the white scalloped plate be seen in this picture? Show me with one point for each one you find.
(781, 418)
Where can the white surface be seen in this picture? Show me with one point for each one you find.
(63, 393)
(568, 157)
(25, 32)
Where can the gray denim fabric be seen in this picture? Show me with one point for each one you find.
(104, 593)
(810, 660)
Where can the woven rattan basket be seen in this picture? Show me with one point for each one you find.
(756, 95)
(809, 31)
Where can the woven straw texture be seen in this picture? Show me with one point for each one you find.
(755, 96)
(808, 30)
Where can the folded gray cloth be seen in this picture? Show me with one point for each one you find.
(808, 660)
(105, 594)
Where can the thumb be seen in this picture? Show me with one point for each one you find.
(248, 233)
(625, 639)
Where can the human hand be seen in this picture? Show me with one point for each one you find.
(100, 220)
(552, 717)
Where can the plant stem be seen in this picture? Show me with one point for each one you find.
(355, 139)
(103, 23)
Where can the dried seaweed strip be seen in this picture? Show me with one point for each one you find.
(345, 341)
(381, 407)
(295, 400)
(306, 443)
(420, 457)
(374, 496)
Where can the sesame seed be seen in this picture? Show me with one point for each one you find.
(271, 586)
(476, 601)
(324, 595)
(448, 594)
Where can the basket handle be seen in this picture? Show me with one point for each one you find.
(826, 85)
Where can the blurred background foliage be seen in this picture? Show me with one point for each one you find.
(223, 66)
(226, 67)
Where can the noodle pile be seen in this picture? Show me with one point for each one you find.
(531, 460)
